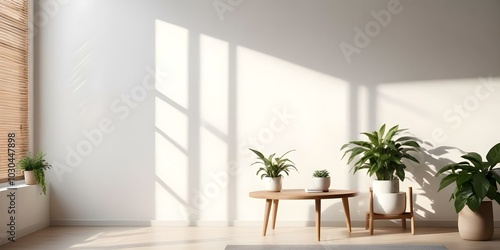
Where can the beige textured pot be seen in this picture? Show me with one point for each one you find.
(29, 178)
(476, 225)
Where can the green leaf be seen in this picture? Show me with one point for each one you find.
(391, 133)
(446, 181)
(462, 194)
(475, 158)
(355, 152)
(459, 204)
(493, 155)
(381, 131)
(362, 144)
(448, 167)
(496, 174)
(259, 154)
(463, 177)
(492, 190)
(473, 202)
(372, 137)
(480, 185)
(409, 157)
(400, 172)
(287, 153)
(411, 144)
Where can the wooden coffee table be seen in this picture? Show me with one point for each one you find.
(300, 194)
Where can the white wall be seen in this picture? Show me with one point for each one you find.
(265, 74)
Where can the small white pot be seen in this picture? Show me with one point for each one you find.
(320, 183)
(386, 197)
(29, 178)
(381, 186)
(273, 184)
(389, 203)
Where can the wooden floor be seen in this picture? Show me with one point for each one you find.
(218, 237)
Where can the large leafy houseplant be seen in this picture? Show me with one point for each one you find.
(273, 166)
(382, 154)
(475, 179)
(38, 165)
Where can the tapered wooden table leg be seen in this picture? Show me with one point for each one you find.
(266, 215)
(345, 202)
(275, 212)
(299, 194)
(318, 218)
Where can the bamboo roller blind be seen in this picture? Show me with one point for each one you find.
(14, 81)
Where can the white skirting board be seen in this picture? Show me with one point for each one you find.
(125, 223)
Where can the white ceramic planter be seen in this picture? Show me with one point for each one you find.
(29, 178)
(386, 197)
(391, 186)
(389, 203)
(322, 183)
(273, 184)
(476, 225)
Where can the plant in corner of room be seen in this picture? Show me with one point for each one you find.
(38, 165)
(273, 166)
(475, 179)
(382, 153)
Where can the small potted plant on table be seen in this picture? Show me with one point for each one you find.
(34, 169)
(320, 181)
(273, 169)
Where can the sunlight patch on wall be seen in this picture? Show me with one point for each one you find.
(214, 90)
(214, 72)
(284, 106)
(171, 121)
(171, 46)
(171, 193)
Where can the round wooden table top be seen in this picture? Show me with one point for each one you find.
(301, 194)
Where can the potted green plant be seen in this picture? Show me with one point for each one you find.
(475, 180)
(273, 169)
(34, 169)
(320, 181)
(382, 155)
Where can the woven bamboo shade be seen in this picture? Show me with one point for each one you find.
(14, 82)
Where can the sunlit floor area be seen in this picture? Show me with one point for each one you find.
(218, 237)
